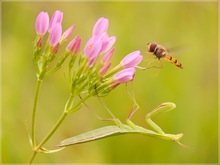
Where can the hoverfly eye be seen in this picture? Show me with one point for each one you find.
(151, 47)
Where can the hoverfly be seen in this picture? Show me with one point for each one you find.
(161, 52)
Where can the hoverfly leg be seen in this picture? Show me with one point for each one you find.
(149, 63)
(140, 67)
(161, 65)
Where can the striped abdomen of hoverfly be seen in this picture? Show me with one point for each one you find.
(174, 61)
(161, 52)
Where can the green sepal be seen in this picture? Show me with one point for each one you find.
(59, 63)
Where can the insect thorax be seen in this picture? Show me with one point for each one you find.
(159, 53)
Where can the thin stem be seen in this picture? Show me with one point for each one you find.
(36, 150)
(33, 157)
(75, 108)
(62, 117)
(56, 126)
(38, 85)
(113, 71)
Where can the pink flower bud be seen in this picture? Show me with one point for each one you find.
(39, 42)
(74, 45)
(123, 76)
(107, 56)
(100, 27)
(55, 48)
(131, 60)
(92, 48)
(42, 23)
(104, 69)
(66, 35)
(55, 34)
(91, 62)
(56, 18)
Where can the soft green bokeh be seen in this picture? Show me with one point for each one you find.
(192, 25)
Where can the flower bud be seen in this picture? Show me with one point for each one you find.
(107, 56)
(55, 34)
(74, 45)
(100, 27)
(131, 60)
(104, 69)
(92, 48)
(123, 76)
(56, 18)
(107, 42)
(66, 35)
(42, 23)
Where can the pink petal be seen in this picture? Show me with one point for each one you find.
(56, 18)
(55, 35)
(131, 60)
(100, 27)
(93, 47)
(42, 23)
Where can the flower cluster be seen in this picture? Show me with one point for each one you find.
(91, 73)
(42, 60)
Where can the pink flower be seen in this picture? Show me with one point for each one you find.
(56, 18)
(107, 56)
(100, 27)
(42, 23)
(107, 42)
(74, 45)
(66, 35)
(131, 60)
(92, 48)
(123, 76)
(55, 34)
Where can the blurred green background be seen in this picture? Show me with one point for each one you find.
(192, 25)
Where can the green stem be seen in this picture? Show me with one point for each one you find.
(62, 117)
(33, 157)
(113, 71)
(38, 85)
(56, 126)
(70, 109)
(38, 148)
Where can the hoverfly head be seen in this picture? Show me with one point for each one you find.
(151, 46)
